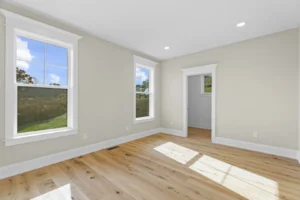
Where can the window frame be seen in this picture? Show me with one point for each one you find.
(17, 25)
(203, 86)
(140, 62)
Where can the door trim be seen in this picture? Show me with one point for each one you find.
(205, 69)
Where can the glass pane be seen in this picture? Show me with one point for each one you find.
(142, 105)
(34, 74)
(41, 109)
(142, 79)
(207, 84)
(29, 50)
(56, 76)
(57, 56)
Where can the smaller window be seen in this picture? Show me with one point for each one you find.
(206, 84)
(143, 90)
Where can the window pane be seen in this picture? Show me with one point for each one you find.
(34, 74)
(142, 105)
(207, 84)
(57, 76)
(29, 50)
(57, 56)
(142, 79)
(41, 109)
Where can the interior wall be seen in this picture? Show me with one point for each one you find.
(199, 105)
(257, 89)
(299, 95)
(106, 78)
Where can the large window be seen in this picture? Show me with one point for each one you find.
(144, 90)
(41, 84)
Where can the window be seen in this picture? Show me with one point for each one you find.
(206, 84)
(41, 81)
(39, 66)
(144, 90)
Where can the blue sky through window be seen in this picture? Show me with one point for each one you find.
(141, 75)
(31, 58)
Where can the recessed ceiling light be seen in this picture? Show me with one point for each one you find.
(167, 48)
(241, 24)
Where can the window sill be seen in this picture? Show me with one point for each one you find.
(143, 120)
(26, 138)
(206, 94)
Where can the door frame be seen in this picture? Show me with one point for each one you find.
(200, 70)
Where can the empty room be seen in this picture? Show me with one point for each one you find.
(149, 100)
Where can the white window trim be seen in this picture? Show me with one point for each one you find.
(147, 64)
(203, 86)
(19, 25)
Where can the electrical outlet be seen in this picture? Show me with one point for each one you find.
(255, 134)
(127, 128)
(171, 123)
(85, 136)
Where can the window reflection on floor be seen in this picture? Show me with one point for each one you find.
(62, 193)
(176, 152)
(240, 181)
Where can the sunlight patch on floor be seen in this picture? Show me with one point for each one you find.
(62, 193)
(240, 181)
(176, 152)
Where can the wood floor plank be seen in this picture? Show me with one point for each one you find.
(174, 180)
(62, 180)
(8, 189)
(25, 188)
(162, 167)
(131, 182)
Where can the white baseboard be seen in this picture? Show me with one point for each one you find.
(172, 132)
(206, 127)
(18, 168)
(203, 127)
(288, 153)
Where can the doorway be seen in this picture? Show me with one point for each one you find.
(202, 71)
(199, 105)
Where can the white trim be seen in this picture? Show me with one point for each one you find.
(206, 69)
(143, 61)
(206, 127)
(143, 119)
(18, 168)
(27, 24)
(172, 132)
(17, 25)
(288, 153)
(42, 86)
(278, 151)
(39, 136)
(150, 65)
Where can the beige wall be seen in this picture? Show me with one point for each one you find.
(257, 89)
(106, 80)
(299, 93)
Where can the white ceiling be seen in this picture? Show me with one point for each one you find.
(186, 26)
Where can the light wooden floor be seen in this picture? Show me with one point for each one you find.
(162, 167)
